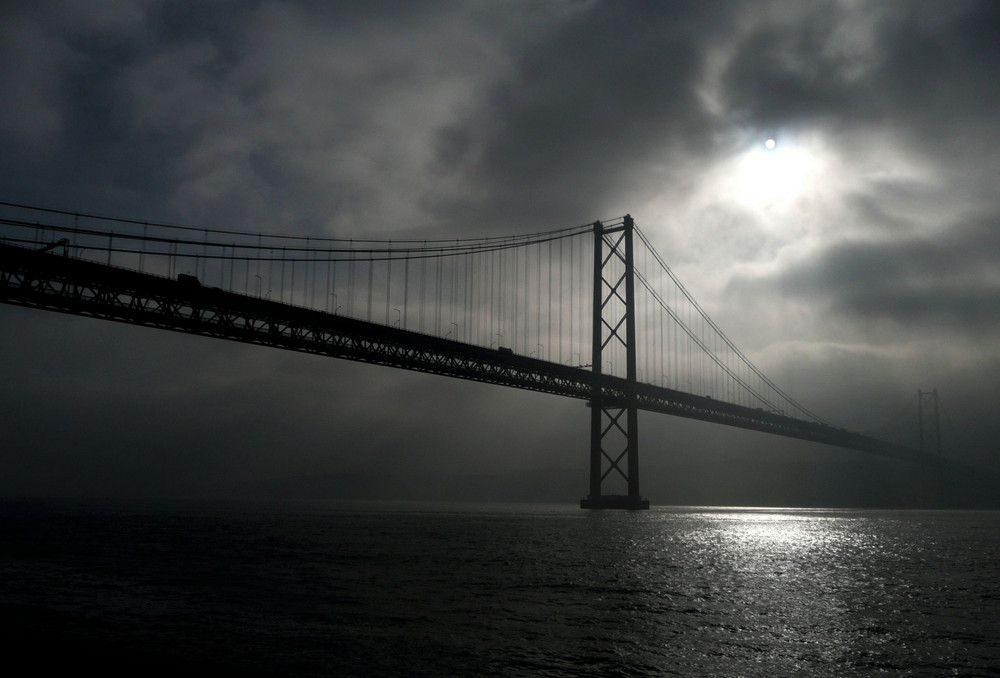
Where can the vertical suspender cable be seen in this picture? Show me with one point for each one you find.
(371, 275)
(388, 286)
(406, 291)
(561, 262)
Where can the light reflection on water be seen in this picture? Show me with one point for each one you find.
(785, 584)
(784, 592)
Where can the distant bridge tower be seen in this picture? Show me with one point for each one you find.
(929, 420)
(614, 428)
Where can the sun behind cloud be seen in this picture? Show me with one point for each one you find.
(774, 178)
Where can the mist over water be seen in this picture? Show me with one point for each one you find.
(438, 589)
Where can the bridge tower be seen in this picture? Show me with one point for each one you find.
(928, 420)
(614, 429)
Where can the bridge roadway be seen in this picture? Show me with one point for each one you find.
(56, 282)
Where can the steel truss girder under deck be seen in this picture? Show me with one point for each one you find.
(65, 284)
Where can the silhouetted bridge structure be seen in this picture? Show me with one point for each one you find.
(441, 317)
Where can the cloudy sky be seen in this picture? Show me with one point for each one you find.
(856, 262)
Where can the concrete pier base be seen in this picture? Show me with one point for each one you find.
(615, 501)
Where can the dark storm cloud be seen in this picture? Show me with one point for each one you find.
(911, 63)
(585, 110)
(922, 282)
(940, 64)
(790, 73)
(294, 113)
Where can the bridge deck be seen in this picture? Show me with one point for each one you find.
(66, 284)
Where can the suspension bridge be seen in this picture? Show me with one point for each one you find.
(590, 312)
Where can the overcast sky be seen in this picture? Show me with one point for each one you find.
(857, 261)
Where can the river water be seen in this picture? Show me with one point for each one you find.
(533, 590)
